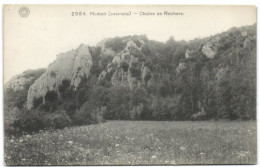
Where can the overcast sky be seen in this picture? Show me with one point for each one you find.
(33, 42)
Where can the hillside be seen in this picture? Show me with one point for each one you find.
(134, 78)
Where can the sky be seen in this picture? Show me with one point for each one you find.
(34, 41)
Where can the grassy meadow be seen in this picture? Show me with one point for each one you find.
(137, 142)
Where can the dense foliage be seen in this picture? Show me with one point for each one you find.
(183, 83)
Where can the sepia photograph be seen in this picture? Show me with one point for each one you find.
(129, 85)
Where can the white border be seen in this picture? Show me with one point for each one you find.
(174, 2)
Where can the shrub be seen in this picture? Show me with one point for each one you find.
(124, 66)
(83, 115)
(99, 114)
(56, 120)
(35, 120)
(89, 114)
(79, 118)
(29, 121)
(70, 108)
(10, 116)
(136, 72)
(51, 96)
(37, 102)
(47, 107)
(199, 116)
(115, 44)
(64, 85)
(81, 96)
(53, 74)
(33, 73)
(136, 112)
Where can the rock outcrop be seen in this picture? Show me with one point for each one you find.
(146, 74)
(105, 51)
(72, 65)
(209, 50)
(187, 54)
(221, 72)
(22, 81)
(18, 83)
(128, 68)
(246, 43)
(244, 33)
(180, 67)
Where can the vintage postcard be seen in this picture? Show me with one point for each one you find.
(129, 85)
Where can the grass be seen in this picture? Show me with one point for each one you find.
(137, 142)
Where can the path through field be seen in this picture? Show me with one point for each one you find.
(137, 142)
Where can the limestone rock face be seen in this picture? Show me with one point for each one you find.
(123, 65)
(187, 54)
(125, 78)
(146, 74)
(120, 78)
(247, 42)
(130, 44)
(127, 66)
(209, 50)
(125, 55)
(72, 65)
(81, 66)
(216, 39)
(18, 83)
(105, 51)
(180, 67)
(221, 72)
(22, 81)
(244, 33)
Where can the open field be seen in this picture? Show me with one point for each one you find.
(137, 142)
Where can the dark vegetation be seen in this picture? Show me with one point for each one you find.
(223, 87)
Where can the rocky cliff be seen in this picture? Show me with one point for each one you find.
(72, 65)
(128, 66)
(24, 80)
(148, 72)
(125, 69)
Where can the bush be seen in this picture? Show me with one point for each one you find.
(35, 120)
(83, 115)
(33, 73)
(10, 116)
(116, 44)
(56, 120)
(29, 121)
(199, 116)
(136, 72)
(124, 66)
(89, 114)
(37, 102)
(51, 96)
(70, 108)
(99, 114)
(136, 112)
(64, 85)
